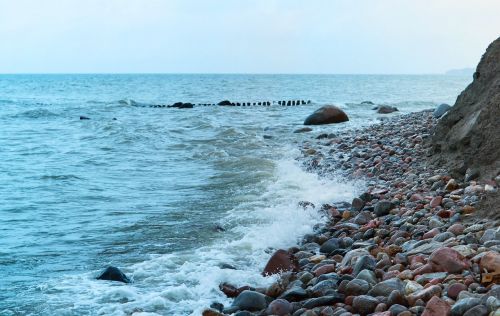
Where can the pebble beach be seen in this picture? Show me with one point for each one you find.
(410, 245)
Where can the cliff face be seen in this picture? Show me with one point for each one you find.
(468, 136)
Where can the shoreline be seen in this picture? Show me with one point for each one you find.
(401, 248)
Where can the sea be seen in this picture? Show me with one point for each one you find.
(180, 200)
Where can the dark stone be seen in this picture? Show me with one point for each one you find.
(364, 304)
(386, 109)
(225, 102)
(479, 310)
(280, 261)
(327, 114)
(250, 301)
(368, 102)
(460, 307)
(383, 207)
(294, 294)
(357, 204)
(113, 274)
(324, 301)
(84, 117)
(386, 287)
(365, 262)
(303, 130)
(330, 245)
(217, 306)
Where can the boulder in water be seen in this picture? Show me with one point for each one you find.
(225, 102)
(113, 274)
(280, 261)
(84, 117)
(386, 109)
(327, 114)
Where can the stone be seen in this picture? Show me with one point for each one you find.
(456, 229)
(455, 289)
(425, 294)
(225, 102)
(396, 297)
(303, 130)
(479, 310)
(280, 261)
(386, 287)
(327, 114)
(330, 245)
(436, 307)
(351, 255)
(368, 276)
(383, 208)
(331, 299)
(250, 301)
(436, 201)
(448, 260)
(490, 234)
(294, 294)
(397, 309)
(279, 307)
(412, 287)
(363, 263)
(356, 287)
(490, 261)
(211, 312)
(463, 305)
(364, 304)
(451, 185)
(441, 110)
(327, 268)
(357, 204)
(84, 117)
(386, 109)
(113, 274)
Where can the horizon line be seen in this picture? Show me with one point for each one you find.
(229, 73)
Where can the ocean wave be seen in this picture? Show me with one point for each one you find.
(60, 177)
(130, 102)
(35, 114)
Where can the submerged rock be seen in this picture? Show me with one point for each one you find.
(113, 274)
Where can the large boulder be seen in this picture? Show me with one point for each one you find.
(386, 109)
(113, 274)
(327, 114)
(469, 135)
(280, 261)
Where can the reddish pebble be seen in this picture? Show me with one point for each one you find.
(436, 307)
(436, 201)
(455, 289)
(327, 268)
(431, 233)
(456, 229)
(416, 197)
(444, 214)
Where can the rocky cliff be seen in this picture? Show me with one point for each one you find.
(467, 139)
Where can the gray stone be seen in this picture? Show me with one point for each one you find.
(323, 301)
(250, 301)
(463, 305)
(383, 207)
(294, 294)
(368, 276)
(357, 287)
(330, 245)
(385, 288)
(364, 304)
(479, 310)
(364, 263)
(441, 110)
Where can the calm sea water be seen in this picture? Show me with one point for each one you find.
(143, 188)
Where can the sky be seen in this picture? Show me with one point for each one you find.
(245, 36)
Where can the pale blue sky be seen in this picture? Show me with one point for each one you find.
(244, 36)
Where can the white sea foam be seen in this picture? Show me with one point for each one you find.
(184, 283)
